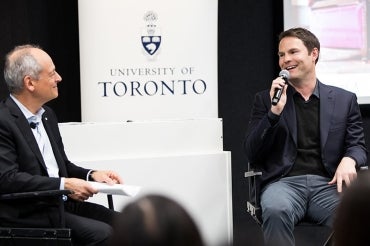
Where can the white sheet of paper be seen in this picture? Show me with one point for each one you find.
(116, 189)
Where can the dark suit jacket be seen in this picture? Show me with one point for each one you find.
(22, 167)
(273, 149)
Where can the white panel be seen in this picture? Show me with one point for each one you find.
(183, 159)
(141, 138)
(201, 183)
(120, 80)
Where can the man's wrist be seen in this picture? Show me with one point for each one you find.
(89, 175)
(272, 117)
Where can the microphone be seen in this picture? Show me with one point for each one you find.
(33, 125)
(284, 74)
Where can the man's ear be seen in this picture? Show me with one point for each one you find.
(28, 83)
(315, 54)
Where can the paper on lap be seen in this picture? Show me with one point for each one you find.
(116, 189)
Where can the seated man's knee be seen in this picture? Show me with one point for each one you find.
(98, 235)
(277, 214)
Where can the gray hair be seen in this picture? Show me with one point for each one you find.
(19, 63)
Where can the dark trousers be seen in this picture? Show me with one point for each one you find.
(91, 223)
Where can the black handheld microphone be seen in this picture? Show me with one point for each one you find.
(284, 74)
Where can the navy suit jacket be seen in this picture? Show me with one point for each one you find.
(22, 167)
(273, 149)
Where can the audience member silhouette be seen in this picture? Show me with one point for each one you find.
(352, 220)
(155, 220)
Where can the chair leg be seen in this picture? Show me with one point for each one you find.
(329, 242)
(110, 201)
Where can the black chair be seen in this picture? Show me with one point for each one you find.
(35, 236)
(38, 236)
(305, 232)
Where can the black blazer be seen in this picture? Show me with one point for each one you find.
(273, 149)
(22, 167)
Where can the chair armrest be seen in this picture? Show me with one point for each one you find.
(364, 168)
(252, 174)
(33, 194)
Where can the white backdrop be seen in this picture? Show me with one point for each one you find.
(182, 159)
(148, 59)
(153, 63)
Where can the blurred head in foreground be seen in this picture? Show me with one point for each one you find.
(155, 220)
(352, 221)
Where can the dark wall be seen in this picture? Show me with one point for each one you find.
(247, 58)
(247, 51)
(54, 26)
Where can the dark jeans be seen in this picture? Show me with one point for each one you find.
(285, 202)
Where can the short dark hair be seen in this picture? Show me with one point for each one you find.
(308, 38)
(155, 220)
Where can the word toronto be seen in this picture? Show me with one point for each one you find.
(152, 88)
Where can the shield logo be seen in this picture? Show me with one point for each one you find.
(151, 43)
